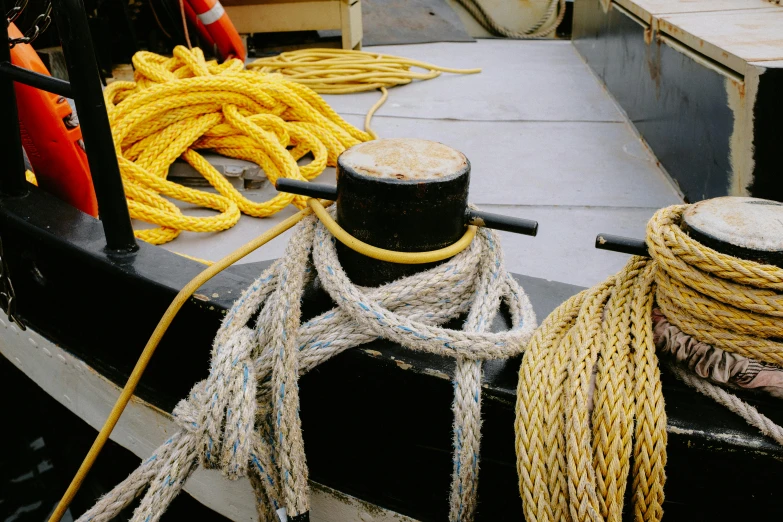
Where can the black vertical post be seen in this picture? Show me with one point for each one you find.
(12, 180)
(85, 81)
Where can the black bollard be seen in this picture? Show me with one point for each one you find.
(407, 195)
(746, 228)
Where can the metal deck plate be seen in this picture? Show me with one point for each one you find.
(545, 142)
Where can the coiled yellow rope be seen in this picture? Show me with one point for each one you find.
(589, 401)
(339, 71)
(183, 104)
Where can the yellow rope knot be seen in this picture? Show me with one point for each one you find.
(590, 408)
(183, 104)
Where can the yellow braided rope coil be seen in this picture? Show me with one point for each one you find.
(339, 71)
(183, 104)
(589, 403)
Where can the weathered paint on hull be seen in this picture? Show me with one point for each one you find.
(710, 127)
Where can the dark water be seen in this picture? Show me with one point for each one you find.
(42, 446)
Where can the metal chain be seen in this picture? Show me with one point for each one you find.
(40, 24)
(14, 13)
(7, 294)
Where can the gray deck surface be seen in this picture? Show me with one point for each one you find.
(545, 141)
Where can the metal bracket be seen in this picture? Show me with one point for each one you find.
(525, 227)
(621, 244)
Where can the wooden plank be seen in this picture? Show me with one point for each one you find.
(649, 9)
(283, 17)
(774, 64)
(731, 38)
(351, 23)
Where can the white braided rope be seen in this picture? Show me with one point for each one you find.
(751, 415)
(244, 418)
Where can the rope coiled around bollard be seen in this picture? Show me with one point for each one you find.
(244, 420)
(183, 104)
(590, 409)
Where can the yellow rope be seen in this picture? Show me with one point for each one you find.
(339, 71)
(597, 349)
(180, 105)
(391, 256)
(183, 104)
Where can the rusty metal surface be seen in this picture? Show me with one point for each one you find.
(679, 106)
(404, 159)
(745, 222)
(748, 228)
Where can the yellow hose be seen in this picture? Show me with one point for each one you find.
(183, 104)
(187, 291)
(403, 258)
(138, 370)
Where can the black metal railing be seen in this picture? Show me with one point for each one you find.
(85, 89)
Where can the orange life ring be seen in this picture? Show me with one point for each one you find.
(52, 142)
(215, 26)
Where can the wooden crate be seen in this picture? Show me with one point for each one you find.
(272, 16)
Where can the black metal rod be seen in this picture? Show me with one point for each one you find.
(79, 54)
(526, 227)
(304, 188)
(472, 217)
(37, 80)
(624, 245)
(12, 180)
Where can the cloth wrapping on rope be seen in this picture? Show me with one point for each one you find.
(590, 410)
(244, 418)
(714, 364)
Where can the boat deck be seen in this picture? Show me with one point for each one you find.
(545, 141)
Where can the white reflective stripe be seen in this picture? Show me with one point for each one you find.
(213, 15)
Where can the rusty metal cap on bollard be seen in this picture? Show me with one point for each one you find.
(748, 228)
(404, 159)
